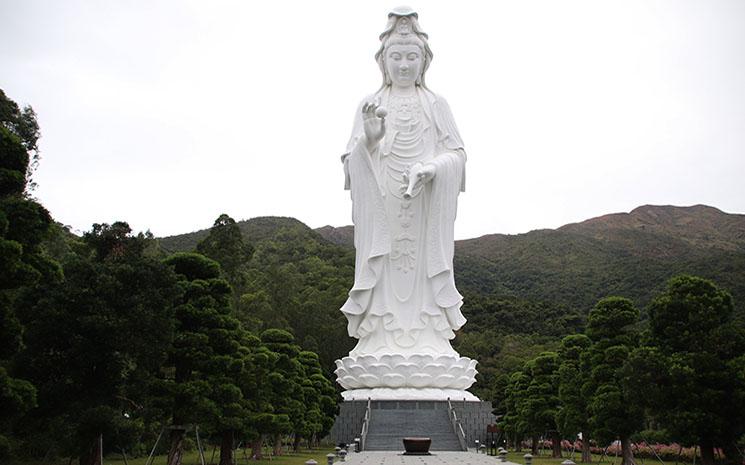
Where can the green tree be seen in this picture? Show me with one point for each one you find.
(257, 392)
(298, 281)
(79, 350)
(225, 245)
(692, 327)
(286, 385)
(22, 124)
(614, 413)
(540, 404)
(512, 422)
(24, 224)
(207, 359)
(319, 398)
(572, 415)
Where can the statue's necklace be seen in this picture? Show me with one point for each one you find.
(407, 125)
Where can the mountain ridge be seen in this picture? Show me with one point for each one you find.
(630, 254)
(641, 217)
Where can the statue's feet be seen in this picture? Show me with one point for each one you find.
(395, 371)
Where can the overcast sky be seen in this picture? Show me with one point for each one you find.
(167, 113)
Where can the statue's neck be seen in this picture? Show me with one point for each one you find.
(398, 91)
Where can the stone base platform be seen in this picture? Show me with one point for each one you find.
(474, 417)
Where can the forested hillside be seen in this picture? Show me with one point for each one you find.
(630, 254)
(522, 292)
(293, 278)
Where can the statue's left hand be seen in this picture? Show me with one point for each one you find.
(416, 176)
(427, 173)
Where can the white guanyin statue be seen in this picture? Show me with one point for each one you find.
(405, 168)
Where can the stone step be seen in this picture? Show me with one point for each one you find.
(388, 428)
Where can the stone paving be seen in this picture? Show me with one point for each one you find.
(437, 458)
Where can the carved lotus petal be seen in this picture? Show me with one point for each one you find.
(393, 380)
(350, 382)
(366, 360)
(419, 371)
(378, 369)
(420, 380)
(446, 360)
(392, 359)
(462, 363)
(444, 381)
(420, 359)
(368, 380)
(464, 382)
(434, 369)
(356, 370)
(456, 370)
(407, 369)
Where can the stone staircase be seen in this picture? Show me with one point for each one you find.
(388, 427)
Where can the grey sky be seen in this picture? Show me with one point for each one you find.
(167, 113)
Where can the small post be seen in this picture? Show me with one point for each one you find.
(357, 444)
(311, 462)
(337, 449)
(330, 459)
(502, 455)
(482, 448)
(150, 457)
(199, 445)
(343, 455)
(528, 459)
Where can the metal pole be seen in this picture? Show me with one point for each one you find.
(199, 445)
(150, 458)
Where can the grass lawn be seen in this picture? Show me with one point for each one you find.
(192, 458)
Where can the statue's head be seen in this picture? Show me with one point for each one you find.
(402, 39)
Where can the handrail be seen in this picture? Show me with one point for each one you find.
(365, 426)
(457, 426)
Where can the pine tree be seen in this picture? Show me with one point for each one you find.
(694, 333)
(614, 414)
(572, 416)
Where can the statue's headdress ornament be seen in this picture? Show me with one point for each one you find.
(403, 28)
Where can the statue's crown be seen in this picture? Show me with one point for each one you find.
(402, 21)
(403, 27)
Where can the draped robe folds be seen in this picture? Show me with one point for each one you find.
(381, 320)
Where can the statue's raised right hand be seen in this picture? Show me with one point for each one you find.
(373, 117)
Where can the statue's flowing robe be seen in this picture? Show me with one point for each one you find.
(365, 310)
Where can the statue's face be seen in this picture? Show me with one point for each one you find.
(403, 64)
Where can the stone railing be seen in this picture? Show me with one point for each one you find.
(365, 426)
(457, 427)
